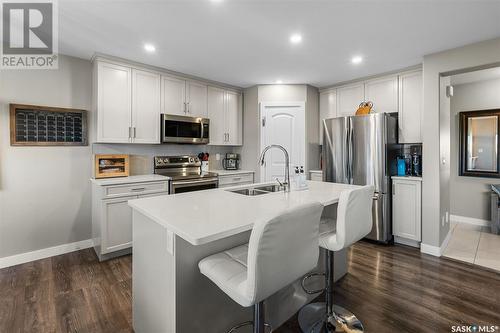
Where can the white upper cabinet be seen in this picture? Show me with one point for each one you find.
(113, 102)
(401, 93)
(216, 114)
(327, 108)
(173, 96)
(145, 107)
(234, 118)
(383, 93)
(196, 99)
(410, 107)
(226, 117)
(129, 101)
(348, 99)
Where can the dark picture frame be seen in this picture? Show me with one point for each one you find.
(464, 129)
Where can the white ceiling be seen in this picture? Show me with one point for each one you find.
(246, 42)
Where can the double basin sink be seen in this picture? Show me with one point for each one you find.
(258, 190)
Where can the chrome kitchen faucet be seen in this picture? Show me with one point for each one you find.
(286, 183)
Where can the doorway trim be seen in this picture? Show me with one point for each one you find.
(262, 116)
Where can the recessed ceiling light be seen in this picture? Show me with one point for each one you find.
(357, 60)
(149, 48)
(295, 38)
(279, 82)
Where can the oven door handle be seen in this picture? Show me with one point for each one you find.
(183, 183)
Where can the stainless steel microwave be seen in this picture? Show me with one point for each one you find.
(181, 129)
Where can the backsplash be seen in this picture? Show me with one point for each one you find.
(141, 156)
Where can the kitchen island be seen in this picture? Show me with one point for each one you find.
(172, 233)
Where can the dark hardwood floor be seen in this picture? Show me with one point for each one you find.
(391, 289)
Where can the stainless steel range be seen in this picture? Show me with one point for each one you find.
(185, 173)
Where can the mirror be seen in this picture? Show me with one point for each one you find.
(479, 143)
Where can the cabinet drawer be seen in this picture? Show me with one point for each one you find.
(316, 176)
(236, 179)
(134, 189)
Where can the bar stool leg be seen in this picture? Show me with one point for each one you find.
(258, 318)
(324, 317)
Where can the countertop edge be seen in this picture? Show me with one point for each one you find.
(129, 180)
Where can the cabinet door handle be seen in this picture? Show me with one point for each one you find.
(185, 107)
(188, 108)
(227, 137)
(129, 132)
(236, 179)
(138, 189)
(134, 132)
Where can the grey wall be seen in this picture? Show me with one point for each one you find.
(251, 131)
(279, 93)
(485, 53)
(470, 196)
(44, 191)
(45, 197)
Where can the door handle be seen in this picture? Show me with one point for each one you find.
(185, 107)
(129, 132)
(188, 107)
(134, 131)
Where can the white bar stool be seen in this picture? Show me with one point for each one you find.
(354, 221)
(281, 250)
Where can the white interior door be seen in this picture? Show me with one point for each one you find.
(282, 124)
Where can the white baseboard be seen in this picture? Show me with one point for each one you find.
(45, 253)
(436, 251)
(469, 220)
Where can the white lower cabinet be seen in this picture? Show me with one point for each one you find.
(316, 175)
(117, 224)
(112, 216)
(229, 180)
(407, 210)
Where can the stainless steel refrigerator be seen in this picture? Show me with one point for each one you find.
(355, 152)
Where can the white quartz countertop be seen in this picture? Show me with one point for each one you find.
(128, 180)
(205, 216)
(231, 172)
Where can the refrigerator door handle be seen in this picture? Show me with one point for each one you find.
(345, 156)
(350, 153)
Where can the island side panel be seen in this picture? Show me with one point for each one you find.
(153, 277)
(201, 305)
